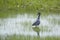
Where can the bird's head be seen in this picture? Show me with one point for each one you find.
(39, 13)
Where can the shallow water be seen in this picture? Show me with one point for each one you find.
(22, 24)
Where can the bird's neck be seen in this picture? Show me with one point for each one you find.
(38, 17)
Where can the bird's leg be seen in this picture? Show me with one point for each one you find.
(38, 33)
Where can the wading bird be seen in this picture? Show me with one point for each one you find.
(36, 23)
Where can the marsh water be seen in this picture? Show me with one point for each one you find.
(22, 25)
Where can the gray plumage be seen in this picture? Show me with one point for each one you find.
(37, 22)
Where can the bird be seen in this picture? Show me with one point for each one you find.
(37, 22)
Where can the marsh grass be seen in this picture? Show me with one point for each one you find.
(29, 6)
(28, 37)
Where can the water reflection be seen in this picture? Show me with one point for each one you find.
(22, 24)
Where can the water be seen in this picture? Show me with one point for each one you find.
(22, 24)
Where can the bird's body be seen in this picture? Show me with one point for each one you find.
(37, 22)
